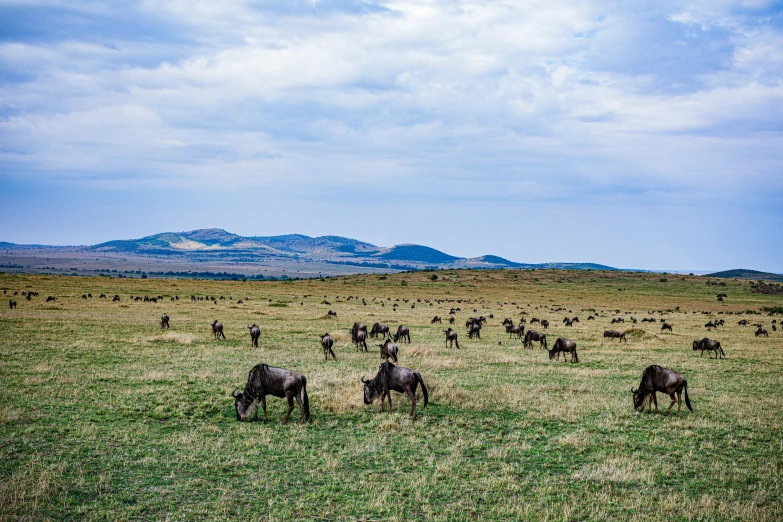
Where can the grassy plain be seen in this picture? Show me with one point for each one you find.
(103, 416)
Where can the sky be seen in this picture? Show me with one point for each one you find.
(635, 134)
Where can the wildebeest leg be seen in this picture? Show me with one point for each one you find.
(655, 400)
(671, 396)
(679, 401)
(263, 405)
(388, 394)
(301, 405)
(290, 407)
(412, 397)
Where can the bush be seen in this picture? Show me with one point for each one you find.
(434, 277)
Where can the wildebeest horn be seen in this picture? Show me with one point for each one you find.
(364, 380)
(234, 393)
(633, 390)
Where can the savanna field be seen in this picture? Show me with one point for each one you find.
(104, 416)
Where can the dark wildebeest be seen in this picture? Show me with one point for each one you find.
(359, 338)
(217, 330)
(255, 333)
(266, 380)
(357, 326)
(451, 319)
(710, 325)
(379, 328)
(762, 331)
(533, 335)
(657, 379)
(508, 322)
(566, 346)
(403, 332)
(115, 298)
(515, 331)
(615, 334)
(710, 346)
(534, 320)
(331, 313)
(394, 378)
(618, 320)
(12, 304)
(436, 319)
(326, 344)
(388, 350)
(666, 326)
(164, 321)
(474, 331)
(545, 324)
(568, 322)
(51, 298)
(84, 296)
(743, 322)
(451, 338)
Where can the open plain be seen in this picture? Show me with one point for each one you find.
(105, 416)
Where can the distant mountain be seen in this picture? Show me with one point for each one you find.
(416, 253)
(742, 273)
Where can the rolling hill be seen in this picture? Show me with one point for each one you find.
(743, 273)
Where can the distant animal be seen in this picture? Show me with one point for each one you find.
(710, 346)
(507, 322)
(266, 380)
(761, 331)
(394, 378)
(666, 326)
(102, 296)
(389, 350)
(565, 346)
(326, 344)
(590, 318)
(436, 319)
(568, 322)
(357, 326)
(451, 319)
(359, 338)
(743, 322)
(217, 330)
(710, 325)
(403, 333)
(474, 331)
(534, 320)
(331, 313)
(379, 328)
(614, 334)
(515, 331)
(545, 324)
(164, 321)
(12, 304)
(115, 299)
(533, 335)
(618, 320)
(658, 379)
(84, 296)
(51, 298)
(451, 338)
(255, 333)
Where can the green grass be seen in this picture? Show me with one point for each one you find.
(104, 416)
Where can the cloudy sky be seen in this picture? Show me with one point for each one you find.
(636, 134)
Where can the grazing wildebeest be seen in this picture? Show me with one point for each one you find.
(657, 379)
(388, 350)
(326, 344)
(331, 313)
(545, 324)
(743, 322)
(115, 299)
(379, 328)
(618, 320)
(266, 380)
(762, 331)
(102, 296)
(51, 298)
(451, 319)
(255, 333)
(710, 325)
(436, 319)
(217, 330)
(359, 338)
(357, 326)
(451, 338)
(403, 332)
(508, 322)
(566, 346)
(474, 331)
(614, 334)
(568, 322)
(164, 321)
(666, 326)
(533, 335)
(534, 320)
(394, 378)
(84, 296)
(710, 346)
(12, 304)
(590, 318)
(515, 331)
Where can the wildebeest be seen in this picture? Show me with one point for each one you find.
(379, 328)
(436, 319)
(657, 379)
(164, 321)
(326, 344)
(389, 350)
(568, 322)
(545, 324)
(331, 313)
(255, 333)
(666, 326)
(533, 335)
(359, 338)
(710, 346)
(102, 296)
(116, 298)
(12, 304)
(743, 322)
(515, 331)
(51, 298)
(403, 332)
(217, 330)
(357, 326)
(618, 320)
(394, 378)
(762, 331)
(266, 380)
(451, 319)
(474, 330)
(710, 325)
(507, 322)
(565, 346)
(451, 338)
(615, 334)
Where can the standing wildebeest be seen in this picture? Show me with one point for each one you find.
(164, 321)
(743, 322)
(545, 324)
(566, 346)
(394, 378)
(666, 326)
(657, 379)
(762, 331)
(255, 333)
(388, 350)
(379, 328)
(436, 319)
(331, 313)
(451, 338)
(615, 334)
(357, 326)
(266, 380)
(326, 344)
(359, 338)
(12, 304)
(507, 322)
(50, 298)
(710, 346)
(451, 319)
(710, 325)
(403, 332)
(533, 335)
(217, 330)
(115, 298)
(515, 331)
(474, 330)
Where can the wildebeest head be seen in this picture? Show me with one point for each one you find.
(638, 399)
(371, 390)
(245, 405)
(695, 345)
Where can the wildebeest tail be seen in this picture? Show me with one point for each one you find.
(721, 350)
(332, 352)
(687, 400)
(423, 389)
(576, 357)
(456, 342)
(306, 401)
